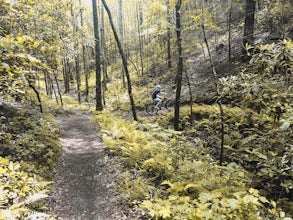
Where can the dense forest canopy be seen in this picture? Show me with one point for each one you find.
(225, 149)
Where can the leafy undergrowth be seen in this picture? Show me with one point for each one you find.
(29, 151)
(172, 176)
(254, 141)
(22, 194)
(31, 138)
(176, 175)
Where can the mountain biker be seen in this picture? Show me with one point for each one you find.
(156, 97)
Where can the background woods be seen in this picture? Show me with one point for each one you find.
(224, 151)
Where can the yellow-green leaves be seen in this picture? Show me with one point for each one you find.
(16, 64)
(36, 44)
(20, 40)
(189, 184)
(19, 191)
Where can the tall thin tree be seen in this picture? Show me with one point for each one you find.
(168, 35)
(83, 56)
(104, 47)
(124, 60)
(104, 55)
(180, 65)
(76, 54)
(99, 101)
(248, 36)
(121, 31)
(229, 30)
(139, 17)
(216, 82)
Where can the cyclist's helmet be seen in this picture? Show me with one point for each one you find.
(158, 86)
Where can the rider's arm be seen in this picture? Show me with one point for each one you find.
(160, 95)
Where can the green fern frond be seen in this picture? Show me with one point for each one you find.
(8, 215)
(3, 197)
(35, 198)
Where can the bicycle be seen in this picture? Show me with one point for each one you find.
(151, 107)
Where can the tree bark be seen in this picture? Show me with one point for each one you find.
(99, 100)
(104, 55)
(168, 36)
(124, 61)
(66, 75)
(121, 30)
(76, 57)
(249, 23)
(180, 66)
(139, 11)
(38, 96)
(58, 88)
(104, 48)
(190, 99)
(77, 71)
(84, 58)
(217, 87)
(229, 31)
(46, 83)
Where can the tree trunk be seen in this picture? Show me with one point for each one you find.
(53, 89)
(58, 88)
(76, 55)
(249, 23)
(77, 71)
(180, 66)
(168, 36)
(38, 97)
(66, 75)
(229, 31)
(46, 83)
(139, 11)
(84, 58)
(124, 61)
(99, 100)
(104, 48)
(190, 99)
(217, 87)
(104, 55)
(121, 30)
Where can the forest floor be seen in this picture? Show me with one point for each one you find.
(84, 183)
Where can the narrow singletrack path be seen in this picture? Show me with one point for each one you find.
(83, 187)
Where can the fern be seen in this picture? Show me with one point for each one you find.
(35, 198)
(8, 215)
(20, 193)
(177, 179)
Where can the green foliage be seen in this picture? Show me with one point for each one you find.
(32, 42)
(174, 178)
(32, 139)
(160, 166)
(252, 140)
(123, 138)
(133, 189)
(21, 194)
(275, 13)
(209, 20)
(210, 205)
(257, 92)
(260, 138)
(206, 191)
(17, 66)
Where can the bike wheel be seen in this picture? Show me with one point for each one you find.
(168, 105)
(151, 110)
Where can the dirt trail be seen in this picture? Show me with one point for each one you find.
(83, 183)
